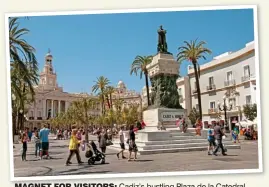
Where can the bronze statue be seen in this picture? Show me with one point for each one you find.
(162, 45)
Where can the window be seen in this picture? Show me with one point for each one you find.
(248, 100)
(229, 76)
(246, 71)
(32, 114)
(212, 105)
(195, 86)
(179, 91)
(39, 113)
(211, 81)
(197, 107)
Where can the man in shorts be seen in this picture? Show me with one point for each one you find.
(44, 138)
(211, 139)
(122, 144)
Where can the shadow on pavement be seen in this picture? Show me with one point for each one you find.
(59, 146)
(84, 173)
(144, 160)
(227, 159)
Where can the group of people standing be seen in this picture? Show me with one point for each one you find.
(41, 141)
(131, 143)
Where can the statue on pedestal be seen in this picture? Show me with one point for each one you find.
(162, 45)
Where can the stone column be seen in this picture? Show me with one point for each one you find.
(44, 109)
(59, 106)
(52, 109)
(66, 106)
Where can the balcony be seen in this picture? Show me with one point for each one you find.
(211, 87)
(212, 110)
(245, 78)
(229, 83)
(31, 118)
(39, 118)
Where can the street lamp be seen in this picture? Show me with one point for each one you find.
(225, 108)
(21, 118)
(14, 128)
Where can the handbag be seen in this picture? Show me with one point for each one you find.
(128, 141)
(109, 142)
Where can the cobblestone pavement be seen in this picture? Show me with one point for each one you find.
(246, 158)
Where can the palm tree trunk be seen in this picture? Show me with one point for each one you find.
(107, 100)
(198, 88)
(147, 87)
(111, 104)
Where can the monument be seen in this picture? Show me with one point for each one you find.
(160, 134)
(163, 73)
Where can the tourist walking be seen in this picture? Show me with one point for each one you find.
(73, 148)
(199, 126)
(235, 134)
(44, 138)
(132, 144)
(102, 140)
(218, 132)
(37, 144)
(122, 144)
(211, 140)
(24, 140)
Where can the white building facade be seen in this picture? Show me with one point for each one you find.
(50, 99)
(231, 75)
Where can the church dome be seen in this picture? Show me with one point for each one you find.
(121, 84)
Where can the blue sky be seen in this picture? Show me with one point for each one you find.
(88, 46)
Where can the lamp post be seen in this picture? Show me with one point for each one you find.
(225, 108)
(13, 116)
(21, 118)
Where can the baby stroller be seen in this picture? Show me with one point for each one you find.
(93, 154)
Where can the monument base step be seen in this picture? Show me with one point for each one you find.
(174, 150)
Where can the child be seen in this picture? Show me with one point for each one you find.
(235, 135)
(211, 139)
(24, 140)
(37, 144)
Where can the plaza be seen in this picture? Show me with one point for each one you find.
(176, 110)
(245, 158)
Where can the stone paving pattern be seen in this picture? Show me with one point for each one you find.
(244, 158)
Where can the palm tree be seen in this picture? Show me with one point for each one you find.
(140, 64)
(100, 85)
(22, 56)
(23, 67)
(82, 108)
(193, 51)
(109, 91)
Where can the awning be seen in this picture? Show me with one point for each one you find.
(245, 123)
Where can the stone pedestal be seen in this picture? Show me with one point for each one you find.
(163, 64)
(166, 116)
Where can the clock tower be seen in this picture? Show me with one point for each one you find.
(48, 78)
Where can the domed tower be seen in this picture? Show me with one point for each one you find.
(48, 78)
(121, 87)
